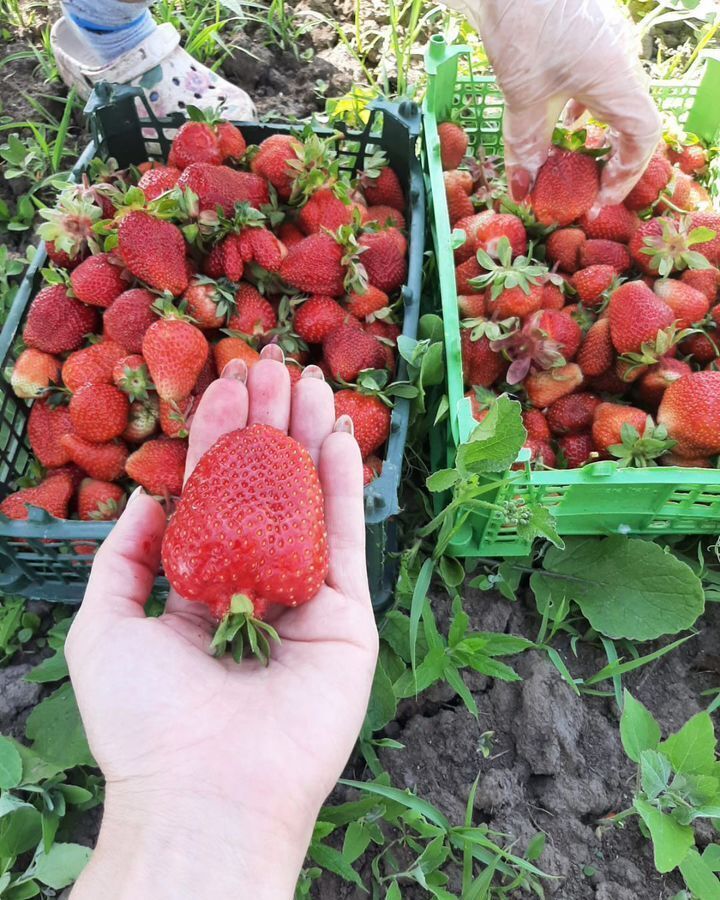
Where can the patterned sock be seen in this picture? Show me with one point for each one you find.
(110, 27)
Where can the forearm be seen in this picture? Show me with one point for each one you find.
(189, 847)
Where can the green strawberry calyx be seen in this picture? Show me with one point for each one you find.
(506, 273)
(643, 450)
(241, 632)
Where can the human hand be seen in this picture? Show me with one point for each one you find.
(216, 770)
(546, 53)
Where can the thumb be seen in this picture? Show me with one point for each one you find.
(527, 133)
(126, 564)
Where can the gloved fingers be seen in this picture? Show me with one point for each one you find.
(527, 132)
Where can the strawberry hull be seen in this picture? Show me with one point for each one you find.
(47, 558)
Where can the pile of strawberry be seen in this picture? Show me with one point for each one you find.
(604, 322)
(163, 274)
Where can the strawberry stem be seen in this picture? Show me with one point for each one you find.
(241, 632)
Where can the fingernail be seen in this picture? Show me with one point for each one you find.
(273, 351)
(135, 494)
(345, 423)
(313, 372)
(519, 184)
(236, 370)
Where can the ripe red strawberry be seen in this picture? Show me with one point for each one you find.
(370, 301)
(688, 304)
(637, 316)
(384, 190)
(384, 216)
(482, 366)
(232, 254)
(230, 140)
(472, 306)
(612, 223)
(458, 187)
(692, 158)
(572, 413)
(233, 348)
(131, 376)
(315, 265)
(129, 318)
(207, 305)
(496, 227)
(387, 334)
(56, 322)
(608, 422)
(544, 388)
(592, 282)
(98, 281)
(46, 425)
(317, 317)
(536, 425)
(464, 275)
(349, 350)
(658, 378)
(705, 280)
(654, 179)
(154, 251)
(605, 253)
(174, 417)
(93, 365)
(290, 234)
(99, 412)
(175, 352)
(453, 144)
(471, 225)
(100, 501)
(253, 313)
(552, 296)
(384, 260)
(563, 248)
(232, 494)
(577, 449)
(143, 420)
(159, 466)
(371, 418)
(710, 249)
(372, 467)
(53, 494)
(609, 382)
(703, 348)
(33, 372)
(515, 302)
(103, 461)
(542, 455)
(224, 187)
(158, 180)
(690, 410)
(562, 329)
(565, 188)
(325, 209)
(596, 354)
(195, 142)
(271, 162)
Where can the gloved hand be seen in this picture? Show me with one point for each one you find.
(546, 53)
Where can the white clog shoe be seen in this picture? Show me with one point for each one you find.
(170, 77)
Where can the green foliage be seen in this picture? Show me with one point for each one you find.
(17, 626)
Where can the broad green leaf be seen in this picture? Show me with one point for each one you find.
(57, 732)
(699, 877)
(54, 668)
(542, 525)
(497, 644)
(626, 587)
(655, 771)
(393, 892)
(35, 768)
(711, 856)
(357, 838)
(74, 794)
(638, 729)
(692, 749)
(495, 443)
(428, 672)
(61, 866)
(383, 705)
(430, 327)
(20, 830)
(536, 847)
(442, 480)
(671, 841)
(10, 764)
(332, 860)
(451, 571)
(23, 891)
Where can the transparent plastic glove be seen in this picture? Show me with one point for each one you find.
(546, 53)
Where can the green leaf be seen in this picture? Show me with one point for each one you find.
(699, 877)
(332, 860)
(56, 730)
(451, 571)
(442, 480)
(54, 668)
(405, 798)
(10, 764)
(626, 587)
(61, 866)
(20, 829)
(536, 847)
(35, 768)
(692, 749)
(383, 704)
(23, 891)
(418, 603)
(357, 838)
(393, 892)
(495, 443)
(655, 771)
(671, 841)
(638, 729)
(711, 856)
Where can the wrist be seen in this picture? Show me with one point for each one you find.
(191, 843)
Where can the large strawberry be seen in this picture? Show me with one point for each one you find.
(688, 304)
(458, 187)
(482, 366)
(470, 226)
(253, 314)
(544, 388)
(47, 423)
(608, 421)
(653, 180)
(349, 350)
(370, 416)
(325, 210)
(57, 323)
(175, 352)
(53, 494)
(33, 372)
(159, 466)
(316, 266)
(154, 251)
(596, 354)
(98, 280)
(637, 316)
(317, 317)
(604, 253)
(99, 412)
(563, 248)
(611, 223)
(206, 142)
(100, 501)
(572, 413)
(103, 461)
(384, 259)
(709, 248)
(591, 283)
(92, 365)
(492, 229)
(658, 379)
(129, 318)
(383, 189)
(565, 188)
(577, 449)
(277, 161)
(221, 186)
(230, 348)
(158, 181)
(690, 410)
(230, 546)
(453, 144)
(705, 280)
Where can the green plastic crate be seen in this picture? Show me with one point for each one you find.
(37, 558)
(599, 498)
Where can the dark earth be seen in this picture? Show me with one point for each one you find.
(556, 763)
